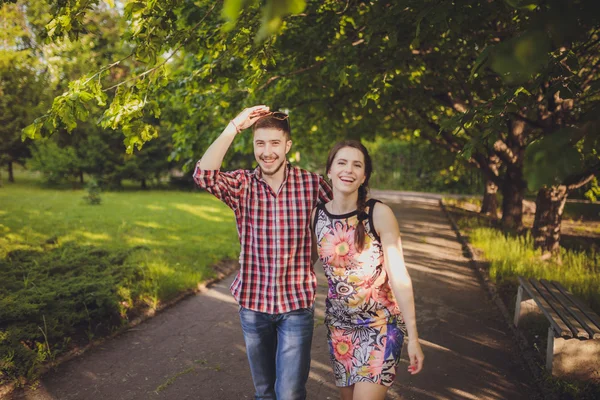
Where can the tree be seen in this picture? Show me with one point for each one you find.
(89, 148)
(480, 75)
(554, 64)
(21, 79)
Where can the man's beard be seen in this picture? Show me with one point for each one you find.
(275, 170)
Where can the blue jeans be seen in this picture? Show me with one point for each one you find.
(278, 347)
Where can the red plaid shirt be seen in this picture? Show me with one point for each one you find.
(276, 274)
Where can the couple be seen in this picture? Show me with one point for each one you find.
(370, 304)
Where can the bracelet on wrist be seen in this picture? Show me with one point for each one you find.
(237, 130)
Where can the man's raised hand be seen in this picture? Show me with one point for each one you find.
(249, 116)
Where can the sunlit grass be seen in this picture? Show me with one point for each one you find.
(513, 256)
(69, 269)
(188, 230)
(159, 220)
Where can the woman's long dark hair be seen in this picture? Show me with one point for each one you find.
(363, 190)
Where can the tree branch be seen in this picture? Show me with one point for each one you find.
(576, 181)
(592, 75)
(450, 139)
(504, 152)
(166, 59)
(523, 118)
(109, 66)
(484, 162)
(448, 100)
(298, 71)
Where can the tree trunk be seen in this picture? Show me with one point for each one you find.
(11, 176)
(81, 181)
(513, 187)
(490, 200)
(513, 192)
(144, 186)
(550, 203)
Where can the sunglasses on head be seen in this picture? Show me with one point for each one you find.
(281, 116)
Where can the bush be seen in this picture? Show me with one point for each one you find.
(93, 196)
(56, 164)
(416, 166)
(48, 296)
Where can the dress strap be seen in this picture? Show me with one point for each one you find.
(317, 209)
(371, 204)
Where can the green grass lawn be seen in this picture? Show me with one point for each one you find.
(70, 271)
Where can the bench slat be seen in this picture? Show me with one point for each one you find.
(570, 314)
(559, 327)
(594, 320)
(566, 329)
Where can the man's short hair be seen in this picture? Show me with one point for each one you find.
(276, 120)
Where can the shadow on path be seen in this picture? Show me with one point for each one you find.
(195, 350)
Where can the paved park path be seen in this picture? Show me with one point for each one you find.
(195, 350)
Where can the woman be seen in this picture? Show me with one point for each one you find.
(370, 304)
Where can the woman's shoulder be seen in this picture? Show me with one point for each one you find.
(380, 210)
(372, 201)
(377, 204)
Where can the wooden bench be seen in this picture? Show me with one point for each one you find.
(574, 334)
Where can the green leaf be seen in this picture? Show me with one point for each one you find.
(519, 58)
(415, 44)
(31, 131)
(133, 8)
(481, 60)
(467, 151)
(522, 4)
(550, 160)
(51, 27)
(343, 77)
(85, 96)
(65, 21)
(273, 13)
(522, 90)
(572, 62)
(363, 101)
(232, 8)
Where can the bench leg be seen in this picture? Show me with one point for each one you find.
(524, 305)
(550, 351)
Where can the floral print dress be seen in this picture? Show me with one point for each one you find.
(365, 327)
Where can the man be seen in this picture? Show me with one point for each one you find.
(276, 284)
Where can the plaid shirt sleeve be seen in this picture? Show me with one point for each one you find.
(325, 192)
(226, 186)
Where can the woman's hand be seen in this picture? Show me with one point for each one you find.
(249, 116)
(415, 356)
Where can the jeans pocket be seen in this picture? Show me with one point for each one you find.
(305, 310)
(310, 309)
